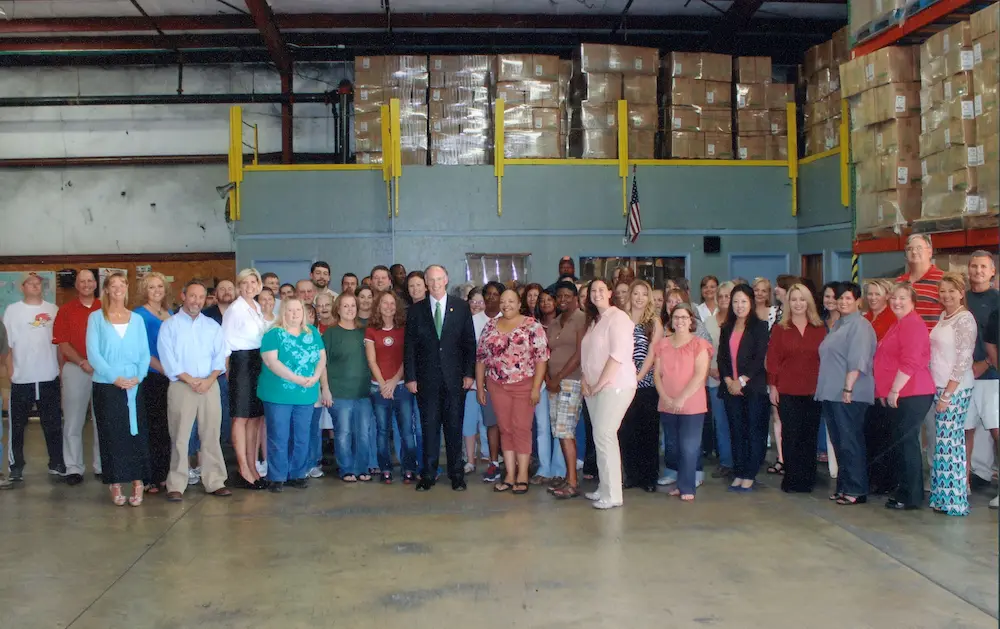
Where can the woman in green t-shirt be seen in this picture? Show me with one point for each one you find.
(291, 380)
(349, 377)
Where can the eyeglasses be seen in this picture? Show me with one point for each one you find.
(913, 249)
(681, 317)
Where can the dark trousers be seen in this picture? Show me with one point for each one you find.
(45, 396)
(882, 451)
(847, 432)
(442, 410)
(124, 456)
(154, 391)
(639, 438)
(906, 421)
(748, 419)
(590, 452)
(799, 433)
(686, 432)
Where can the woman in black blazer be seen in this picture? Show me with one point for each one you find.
(744, 390)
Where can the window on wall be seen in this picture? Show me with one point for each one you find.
(496, 267)
(655, 270)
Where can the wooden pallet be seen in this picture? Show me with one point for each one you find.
(939, 224)
(982, 221)
(890, 19)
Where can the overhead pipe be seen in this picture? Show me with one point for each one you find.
(154, 160)
(163, 99)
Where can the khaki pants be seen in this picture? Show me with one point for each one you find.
(183, 407)
(607, 409)
(76, 393)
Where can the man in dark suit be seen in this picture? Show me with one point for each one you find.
(439, 362)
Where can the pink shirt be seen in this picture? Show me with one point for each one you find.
(676, 368)
(734, 349)
(610, 337)
(905, 347)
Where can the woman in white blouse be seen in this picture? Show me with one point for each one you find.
(243, 327)
(952, 342)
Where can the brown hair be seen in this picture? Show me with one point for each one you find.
(336, 309)
(105, 299)
(375, 320)
(786, 282)
(908, 288)
(957, 280)
(686, 308)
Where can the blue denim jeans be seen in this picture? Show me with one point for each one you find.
(226, 430)
(288, 431)
(684, 431)
(315, 438)
(551, 462)
(671, 453)
(352, 421)
(472, 422)
(723, 439)
(847, 433)
(399, 408)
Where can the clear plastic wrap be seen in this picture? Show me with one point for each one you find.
(752, 69)
(594, 143)
(753, 122)
(751, 96)
(642, 117)
(641, 144)
(533, 144)
(699, 65)
(599, 88)
(639, 89)
(685, 144)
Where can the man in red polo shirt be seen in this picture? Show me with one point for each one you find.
(70, 334)
(924, 277)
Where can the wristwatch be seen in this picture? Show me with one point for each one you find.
(743, 381)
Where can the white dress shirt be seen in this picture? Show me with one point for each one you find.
(194, 346)
(243, 325)
(444, 307)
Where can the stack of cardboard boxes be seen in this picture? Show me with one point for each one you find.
(985, 32)
(604, 75)
(884, 101)
(461, 120)
(822, 113)
(534, 105)
(698, 105)
(948, 127)
(377, 80)
(761, 117)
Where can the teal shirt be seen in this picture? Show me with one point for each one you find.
(300, 354)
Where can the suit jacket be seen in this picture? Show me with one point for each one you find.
(435, 363)
(750, 356)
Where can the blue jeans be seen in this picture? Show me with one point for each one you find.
(400, 407)
(685, 432)
(288, 432)
(551, 462)
(671, 451)
(722, 437)
(352, 420)
(315, 438)
(472, 421)
(847, 433)
(749, 415)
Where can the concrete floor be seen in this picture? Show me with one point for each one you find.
(364, 556)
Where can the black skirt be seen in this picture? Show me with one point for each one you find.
(244, 369)
(124, 456)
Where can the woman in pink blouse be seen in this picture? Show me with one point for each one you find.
(608, 385)
(680, 372)
(903, 383)
(511, 359)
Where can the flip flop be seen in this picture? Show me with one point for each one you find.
(501, 487)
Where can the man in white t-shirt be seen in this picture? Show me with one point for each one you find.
(34, 369)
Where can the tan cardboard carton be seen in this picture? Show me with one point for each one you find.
(717, 121)
(533, 145)
(895, 64)
(777, 95)
(544, 68)
(683, 64)
(896, 100)
(642, 117)
(719, 146)
(716, 67)
(985, 21)
(512, 93)
(680, 118)
(542, 93)
(600, 88)
(752, 69)
(517, 118)
(685, 144)
(819, 57)
(862, 144)
(368, 99)
(685, 91)
(751, 96)
(898, 206)
(866, 175)
(841, 47)
(369, 72)
(948, 161)
(600, 116)
(896, 136)
(641, 144)
(777, 147)
(718, 94)
(634, 60)
(898, 171)
(955, 132)
(546, 119)
(777, 121)
(752, 122)
(639, 89)
(751, 147)
(986, 47)
(595, 58)
(513, 67)
(594, 143)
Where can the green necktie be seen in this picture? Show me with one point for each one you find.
(438, 319)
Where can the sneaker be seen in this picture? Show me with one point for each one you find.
(666, 479)
(194, 476)
(470, 468)
(5, 483)
(262, 468)
(16, 475)
(606, 504)
(994, 504)
(316, 472)
(492, 474)
(593, 495)
(57, 470)
(298, 483)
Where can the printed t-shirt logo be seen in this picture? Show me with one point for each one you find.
(41, 320)
(388, 341)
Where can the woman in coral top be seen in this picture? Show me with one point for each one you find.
(903, 383)
(679, 374)
(792, 372)
(878, 429)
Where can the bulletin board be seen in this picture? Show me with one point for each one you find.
(178, 268)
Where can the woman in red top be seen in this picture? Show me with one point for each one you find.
(384, 350)
(792, 371)
(324, 312)
(878, 429)
(904, 384)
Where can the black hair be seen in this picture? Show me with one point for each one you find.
(380, 267)
(318, 265)
(347, 275)
(291, 286)
(834, 286)
(500, 288)
(570, 286)
(752, 318)
(844, 287)
(268, 275)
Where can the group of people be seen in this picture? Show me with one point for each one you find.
(394, 363)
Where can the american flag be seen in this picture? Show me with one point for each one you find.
(633, 222)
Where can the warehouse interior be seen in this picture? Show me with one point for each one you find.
(763, 137)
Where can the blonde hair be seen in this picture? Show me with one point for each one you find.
(957, 280)
(105, 297)
(245, 273)
(811, 313)
(766, 282)
(881, 283)
(279, 321)
(649, 315)
(142, 293)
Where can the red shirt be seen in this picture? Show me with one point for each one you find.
(793, 359)
(907, 348)
(881, 322)
(388, 349)
(71, 325)
(928, 302)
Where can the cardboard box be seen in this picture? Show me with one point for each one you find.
(369, 72)
(841, 47)
(852, 77)
(963, 181)
(955, 132)
(985, 21)
(752, 122)
(512, 93)
(633, 60)
(988, 150)
(718, 146)
(752, 69)
(599, 88)
(368, 132)
(751, 96)
(599, 116)
(751, 147)
(533, 144)
(777, 121)
(827, 82)
(513, 67)
(777, 95)
(718, 94)
(699, 65)
(862, 145)
(958, 35)
(681, 118)
(898, 206)
(460, 70)
(986, 80)
(594, 143)
(900, 136)
(948, 161)
(542, 93)
(987, 47)
(639, 89)
(368, 99)
(898, 171)
(819, 57)
(896, 100)
(895, 64)
(823, 136)
(641, 144)
(685, 144)
(546, 119)
(686, 91)
(517, 117)
(717, 121)
(777, 147)
(642, 117)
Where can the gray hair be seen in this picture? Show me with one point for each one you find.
(981, 253)
(926, 238)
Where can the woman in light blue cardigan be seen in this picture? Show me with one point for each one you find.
(118, 350)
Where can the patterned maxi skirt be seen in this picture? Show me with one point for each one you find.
(949, 475)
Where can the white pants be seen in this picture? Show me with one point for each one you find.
(607, 409)
(77, 387)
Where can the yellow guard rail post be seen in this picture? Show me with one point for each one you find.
(845, 156)
(397, 152)
(498, 151)
(793, 155)
(386, 156)
(623, 152)
(235, 160)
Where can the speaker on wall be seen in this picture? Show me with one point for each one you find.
(712, 244)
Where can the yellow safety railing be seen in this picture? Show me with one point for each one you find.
(235, 160)
(793, 155)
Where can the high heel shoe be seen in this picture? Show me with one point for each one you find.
(116, 495)
(136, 498)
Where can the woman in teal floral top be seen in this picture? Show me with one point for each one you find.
(292, 378)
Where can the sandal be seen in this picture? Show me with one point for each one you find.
(557, 481)
(777, 468)
(387, 478)
(520, 489)
(554, 486)
(116, 495)
(687, 497)
(408, 478)
(852, 500)
(152, 489)
(136, 498)
(674, 492)
(364, 478)
(589, 476)
(349, 478)
(835, 497)
(540, 480)
(565, 492)
(501, 487)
